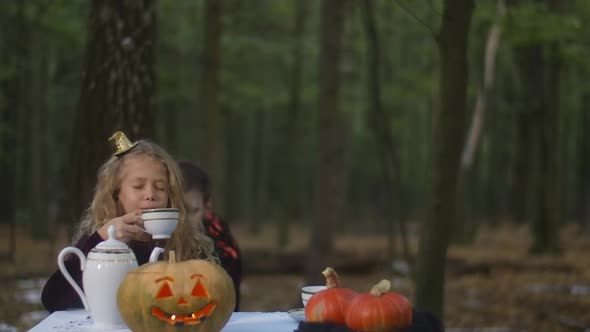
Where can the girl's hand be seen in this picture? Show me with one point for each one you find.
(127, 227)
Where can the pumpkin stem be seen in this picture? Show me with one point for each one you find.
(171, 257)
(381, 288)
(332, 280)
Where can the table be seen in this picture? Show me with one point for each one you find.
(80, 321)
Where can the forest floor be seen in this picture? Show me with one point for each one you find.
(491, 284)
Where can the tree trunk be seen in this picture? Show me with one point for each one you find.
(522, 178)
(330, 177)
(14, 114)
(540, 127)
(549, 200)
(249, 179)
(380, 123)
(465, 225)
(448, 136)
(39, 223)
(477, 121)
(117, 91)
(263, 154)
(23, 107)
(583, 151)
(289, 181)
(211, 139)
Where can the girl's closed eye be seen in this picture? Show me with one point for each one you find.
(137, 185)
(161, 185)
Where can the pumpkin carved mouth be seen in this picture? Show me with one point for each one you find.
(193, 318)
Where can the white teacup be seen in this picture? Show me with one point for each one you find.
(160, 222)
(308, 291)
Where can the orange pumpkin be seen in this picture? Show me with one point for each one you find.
(194, 295)
(379, 310)
(331, 304)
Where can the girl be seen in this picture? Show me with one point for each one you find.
(138, 176)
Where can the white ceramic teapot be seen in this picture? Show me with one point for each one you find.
(104, 269)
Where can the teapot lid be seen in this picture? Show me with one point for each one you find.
(112, 243)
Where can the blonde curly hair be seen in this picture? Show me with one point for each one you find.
(187, 241)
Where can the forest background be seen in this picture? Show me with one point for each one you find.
(420, 121)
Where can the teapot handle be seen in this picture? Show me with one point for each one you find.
(66, 274)
(155, 254)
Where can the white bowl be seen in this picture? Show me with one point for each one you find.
(160, 222)
(308, 291)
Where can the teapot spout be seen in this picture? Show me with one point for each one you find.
(155, 254)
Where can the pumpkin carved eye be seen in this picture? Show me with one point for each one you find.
(200, 290)
(165, 291)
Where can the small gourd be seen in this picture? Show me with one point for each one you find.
(330, 304)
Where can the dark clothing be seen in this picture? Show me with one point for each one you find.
(58, 294)
(226, 248)
(422, 321)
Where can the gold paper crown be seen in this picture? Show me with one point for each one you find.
(122, 143)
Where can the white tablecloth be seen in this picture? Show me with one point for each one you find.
(80, 321)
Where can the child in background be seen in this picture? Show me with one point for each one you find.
(199, 206)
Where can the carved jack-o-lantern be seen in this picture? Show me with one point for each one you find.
(195, 295)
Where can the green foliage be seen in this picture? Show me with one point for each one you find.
(256, 71)
(534, 23)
